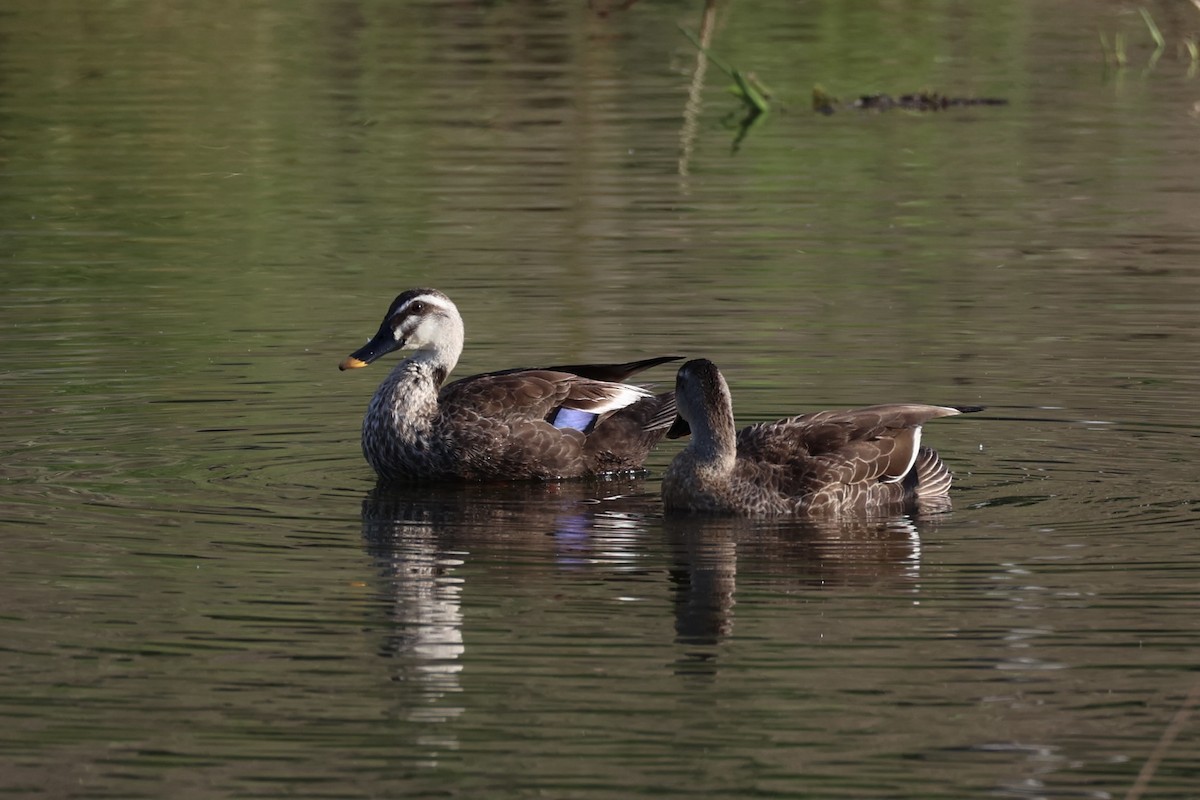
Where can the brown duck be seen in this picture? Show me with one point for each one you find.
(518, 424)
(828, 462)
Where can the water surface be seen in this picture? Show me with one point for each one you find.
(203, 212)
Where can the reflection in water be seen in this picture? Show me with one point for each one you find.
(426, 608)
(691, 110)
(425, 634)
(809, 553)
(703, 578)
(420, 537)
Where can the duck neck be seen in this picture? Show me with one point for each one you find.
(406, 403)
(413, 384)
(443, 349)
(401, 416)
(714, 442)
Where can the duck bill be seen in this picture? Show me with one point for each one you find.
(679, 428)
(383, 343)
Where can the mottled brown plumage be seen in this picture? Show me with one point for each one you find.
(827, 462)
(517, 424)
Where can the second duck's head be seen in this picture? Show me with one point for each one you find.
(420, 319)
(700, 394)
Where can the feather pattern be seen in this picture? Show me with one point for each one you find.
(827, 462)
(498, 425)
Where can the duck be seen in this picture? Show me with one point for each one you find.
(547, 423)
(827, 463)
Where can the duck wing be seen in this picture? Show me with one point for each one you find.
(535, 423)
(568, 396)
(613, 373)
(623, 440)
(536, 394)
(857, 446)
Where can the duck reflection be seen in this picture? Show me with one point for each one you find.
(786, 555)
(424, 598)
(427, 540)
(421, 537)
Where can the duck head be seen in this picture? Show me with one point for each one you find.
(424, 320)
(701, 395)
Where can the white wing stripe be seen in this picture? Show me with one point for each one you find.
(916, 449)
(618, 396)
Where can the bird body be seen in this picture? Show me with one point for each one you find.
(517, 424)
(827, 462)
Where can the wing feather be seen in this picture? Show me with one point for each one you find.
(851, 447)
(535, 393)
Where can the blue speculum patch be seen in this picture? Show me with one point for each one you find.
(575, 419)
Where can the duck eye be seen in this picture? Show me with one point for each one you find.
(417, 308)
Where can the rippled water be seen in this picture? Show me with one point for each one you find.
(203, 212)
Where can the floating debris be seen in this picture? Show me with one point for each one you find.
(825, 103)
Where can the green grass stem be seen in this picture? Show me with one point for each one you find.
(745, 87)
(1154, 31)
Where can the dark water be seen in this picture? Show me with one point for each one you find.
(204, 207)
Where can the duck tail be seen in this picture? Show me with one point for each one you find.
(614, 373)
(623, 440)
(664, 413)
(932, 475)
